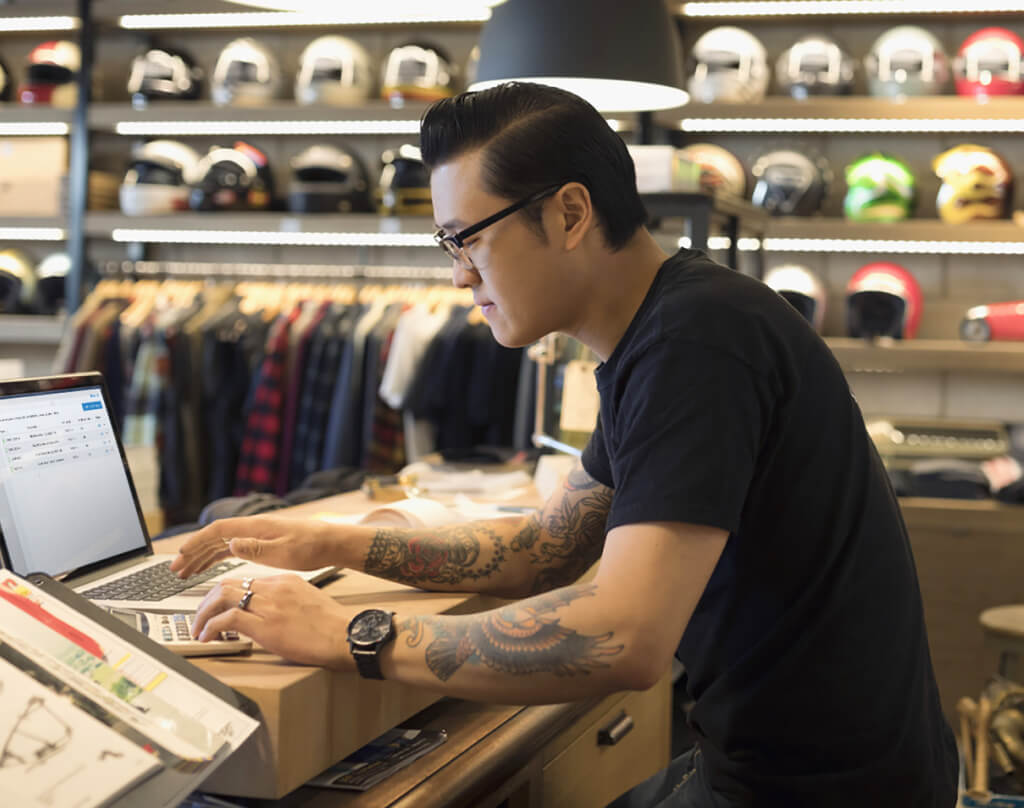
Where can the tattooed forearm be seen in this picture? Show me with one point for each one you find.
(570, 533)
(450, 555)
(518, 639)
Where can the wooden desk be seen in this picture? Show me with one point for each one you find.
(316, 717)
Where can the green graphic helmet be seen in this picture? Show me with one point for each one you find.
(880, 188)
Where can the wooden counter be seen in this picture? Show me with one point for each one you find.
(315, 717)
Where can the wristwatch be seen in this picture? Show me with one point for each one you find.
(368, 632)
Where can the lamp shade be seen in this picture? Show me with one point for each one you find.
(620, 56)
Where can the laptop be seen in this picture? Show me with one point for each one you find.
(68, 505)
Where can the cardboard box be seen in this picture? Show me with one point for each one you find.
(32, 175)
(660, 169)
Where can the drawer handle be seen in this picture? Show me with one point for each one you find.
(615, 731)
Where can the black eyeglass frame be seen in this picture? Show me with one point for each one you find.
(457, 240)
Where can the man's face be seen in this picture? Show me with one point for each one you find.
(515, 275)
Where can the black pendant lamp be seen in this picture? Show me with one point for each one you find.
(621, 55)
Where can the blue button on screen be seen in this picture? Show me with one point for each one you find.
(92, 405)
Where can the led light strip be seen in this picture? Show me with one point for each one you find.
(30, 128)
(186, 128)
(370, 14)
(181, 128)
(38, 23)
(853, 245)
(272, 238)
(839, 125)
(275, 271)
(787, 8)
(32, 234)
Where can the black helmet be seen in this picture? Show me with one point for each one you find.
(232, 179)
(790, 182)
(17, 282)
(5, 82)
(328, 179)
(164, 73)
(815, 65)
(404, 183)
(50, 274)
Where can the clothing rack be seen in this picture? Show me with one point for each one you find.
(282, 272)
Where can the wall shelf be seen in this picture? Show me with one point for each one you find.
(898, 356)
(31, 329)
(787, 10)
(850, 114)
(914, 236)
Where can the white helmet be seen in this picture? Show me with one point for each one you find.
(802, 289)
(334, 70)
(246, 74)
(729, 65)
(815, 65)
(720, 171)
(157, 179)
(906, 60)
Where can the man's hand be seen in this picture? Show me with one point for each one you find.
(285, 615)
(297, 544)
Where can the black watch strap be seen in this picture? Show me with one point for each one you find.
(368, 662)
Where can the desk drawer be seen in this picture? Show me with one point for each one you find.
(621, 743)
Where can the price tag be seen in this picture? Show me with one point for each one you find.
(580, 400)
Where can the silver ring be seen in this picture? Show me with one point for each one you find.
(243, 604)
(247, 583)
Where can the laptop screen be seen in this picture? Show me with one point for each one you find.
(66, 501)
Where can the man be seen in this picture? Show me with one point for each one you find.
(740, 513)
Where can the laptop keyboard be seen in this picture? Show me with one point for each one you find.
(155, 583)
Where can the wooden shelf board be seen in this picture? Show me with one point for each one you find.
(909, 230)
(928, 355)
(29, 329)
(102, 223)
(969, 515)
(852, 106)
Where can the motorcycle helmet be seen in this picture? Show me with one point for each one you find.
(404, 187)
(879, 188)
(976, 184)
(719, 169)
(162, 73)
(802, 289)
(246, 74)
(50, 75)
(729, 65)
(417, 71)
(883, 300)
(232, 179)
(5, 82)
(157, 179)
(790, 183)
(17, 282)
(333, 70)
(815, 65)
(326, 179)
(906, 60)
(989, 62)
(50, 275)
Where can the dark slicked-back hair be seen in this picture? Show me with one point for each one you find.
(535, 136)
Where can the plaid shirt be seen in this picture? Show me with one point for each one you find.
(260, 453)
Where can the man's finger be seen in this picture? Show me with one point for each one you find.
(234, 619)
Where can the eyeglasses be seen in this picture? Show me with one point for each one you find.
(454, 245)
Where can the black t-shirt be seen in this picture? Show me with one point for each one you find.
(806, 657)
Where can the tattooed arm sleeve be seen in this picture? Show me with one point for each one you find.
(506, 557)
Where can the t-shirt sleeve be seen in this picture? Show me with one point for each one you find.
(687, 436)
(595, 457)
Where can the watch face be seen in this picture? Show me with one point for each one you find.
(370, 626)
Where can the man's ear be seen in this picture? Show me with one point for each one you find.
(575, 213)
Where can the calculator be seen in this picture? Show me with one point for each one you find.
(174, 631)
